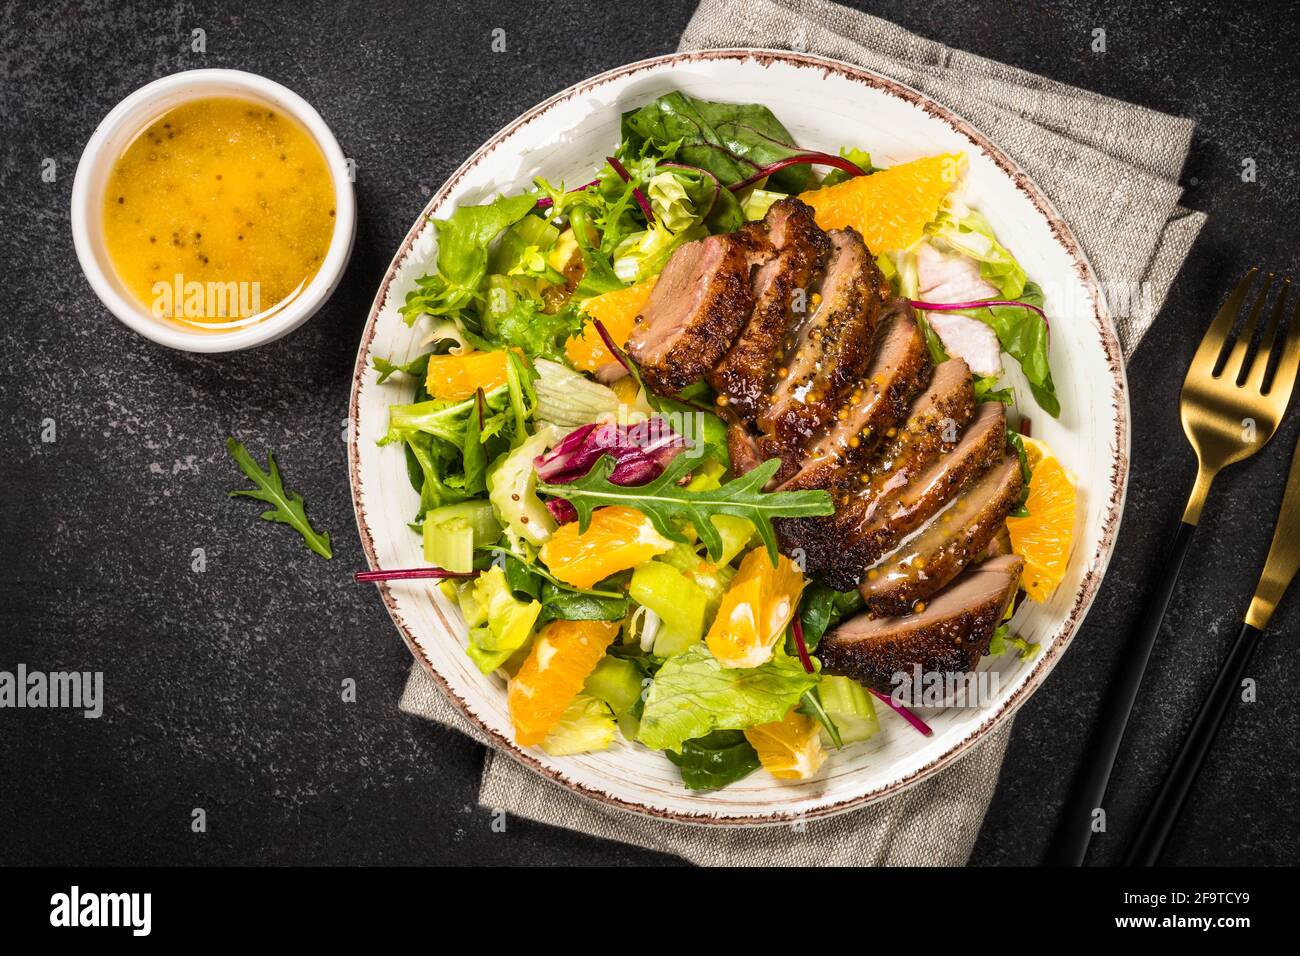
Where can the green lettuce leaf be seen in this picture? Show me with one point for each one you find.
(986, 390)
(441, 481)
(509, 621)
(510, 320)
(694, 695)
(445, 419)
(964, 231)
(1023, 335)
(859, 157)
(463, 241)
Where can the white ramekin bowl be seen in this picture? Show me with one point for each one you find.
(111, 138)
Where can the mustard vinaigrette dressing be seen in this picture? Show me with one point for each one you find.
(219, 213)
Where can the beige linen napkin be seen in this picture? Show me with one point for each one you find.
(1111, 169)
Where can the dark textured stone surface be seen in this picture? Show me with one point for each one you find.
(223, 688)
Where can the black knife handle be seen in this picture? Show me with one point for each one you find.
(1163, 812)
(1074, 832)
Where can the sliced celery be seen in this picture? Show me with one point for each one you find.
(708, 477)
(452, 532)
(617, 682)
(670, 642)
(850, 706)
(681, 556)
(449, 545)
(736, 533)
(680, 603)
(713, 579)
(512, 489)
(475, 613)
(629, 724)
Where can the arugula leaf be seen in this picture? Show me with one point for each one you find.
(730, 140)
(668, 505)
(270, 489)
(693, 695)
(715, 760)
(463, 241)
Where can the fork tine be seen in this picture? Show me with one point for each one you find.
(1235, 363)
(1211, 348)
(1265, 354)
(1284, 378)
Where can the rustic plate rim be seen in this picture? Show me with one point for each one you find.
(1119, 469)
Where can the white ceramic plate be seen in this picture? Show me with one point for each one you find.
(825, 105)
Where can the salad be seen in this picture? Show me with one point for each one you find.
(613, 564)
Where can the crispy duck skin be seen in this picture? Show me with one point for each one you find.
(865, 539)
(899, 370)
(923, 565)
(949, 636)
(790, 253)
(873, 513)
(697, 308)
(838, 384)
(829, 350)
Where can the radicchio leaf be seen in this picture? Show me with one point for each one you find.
(640, 452)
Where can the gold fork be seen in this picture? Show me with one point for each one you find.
(1225, 421)
(1229, 410)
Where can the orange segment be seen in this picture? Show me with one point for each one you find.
(564, 654)
(459, 376)
(617, 311)
(890, 208)
(1045, 538)
(788, 749)
(755, 610)
(618, 538)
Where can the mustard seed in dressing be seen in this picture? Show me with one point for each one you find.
(243, 201)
